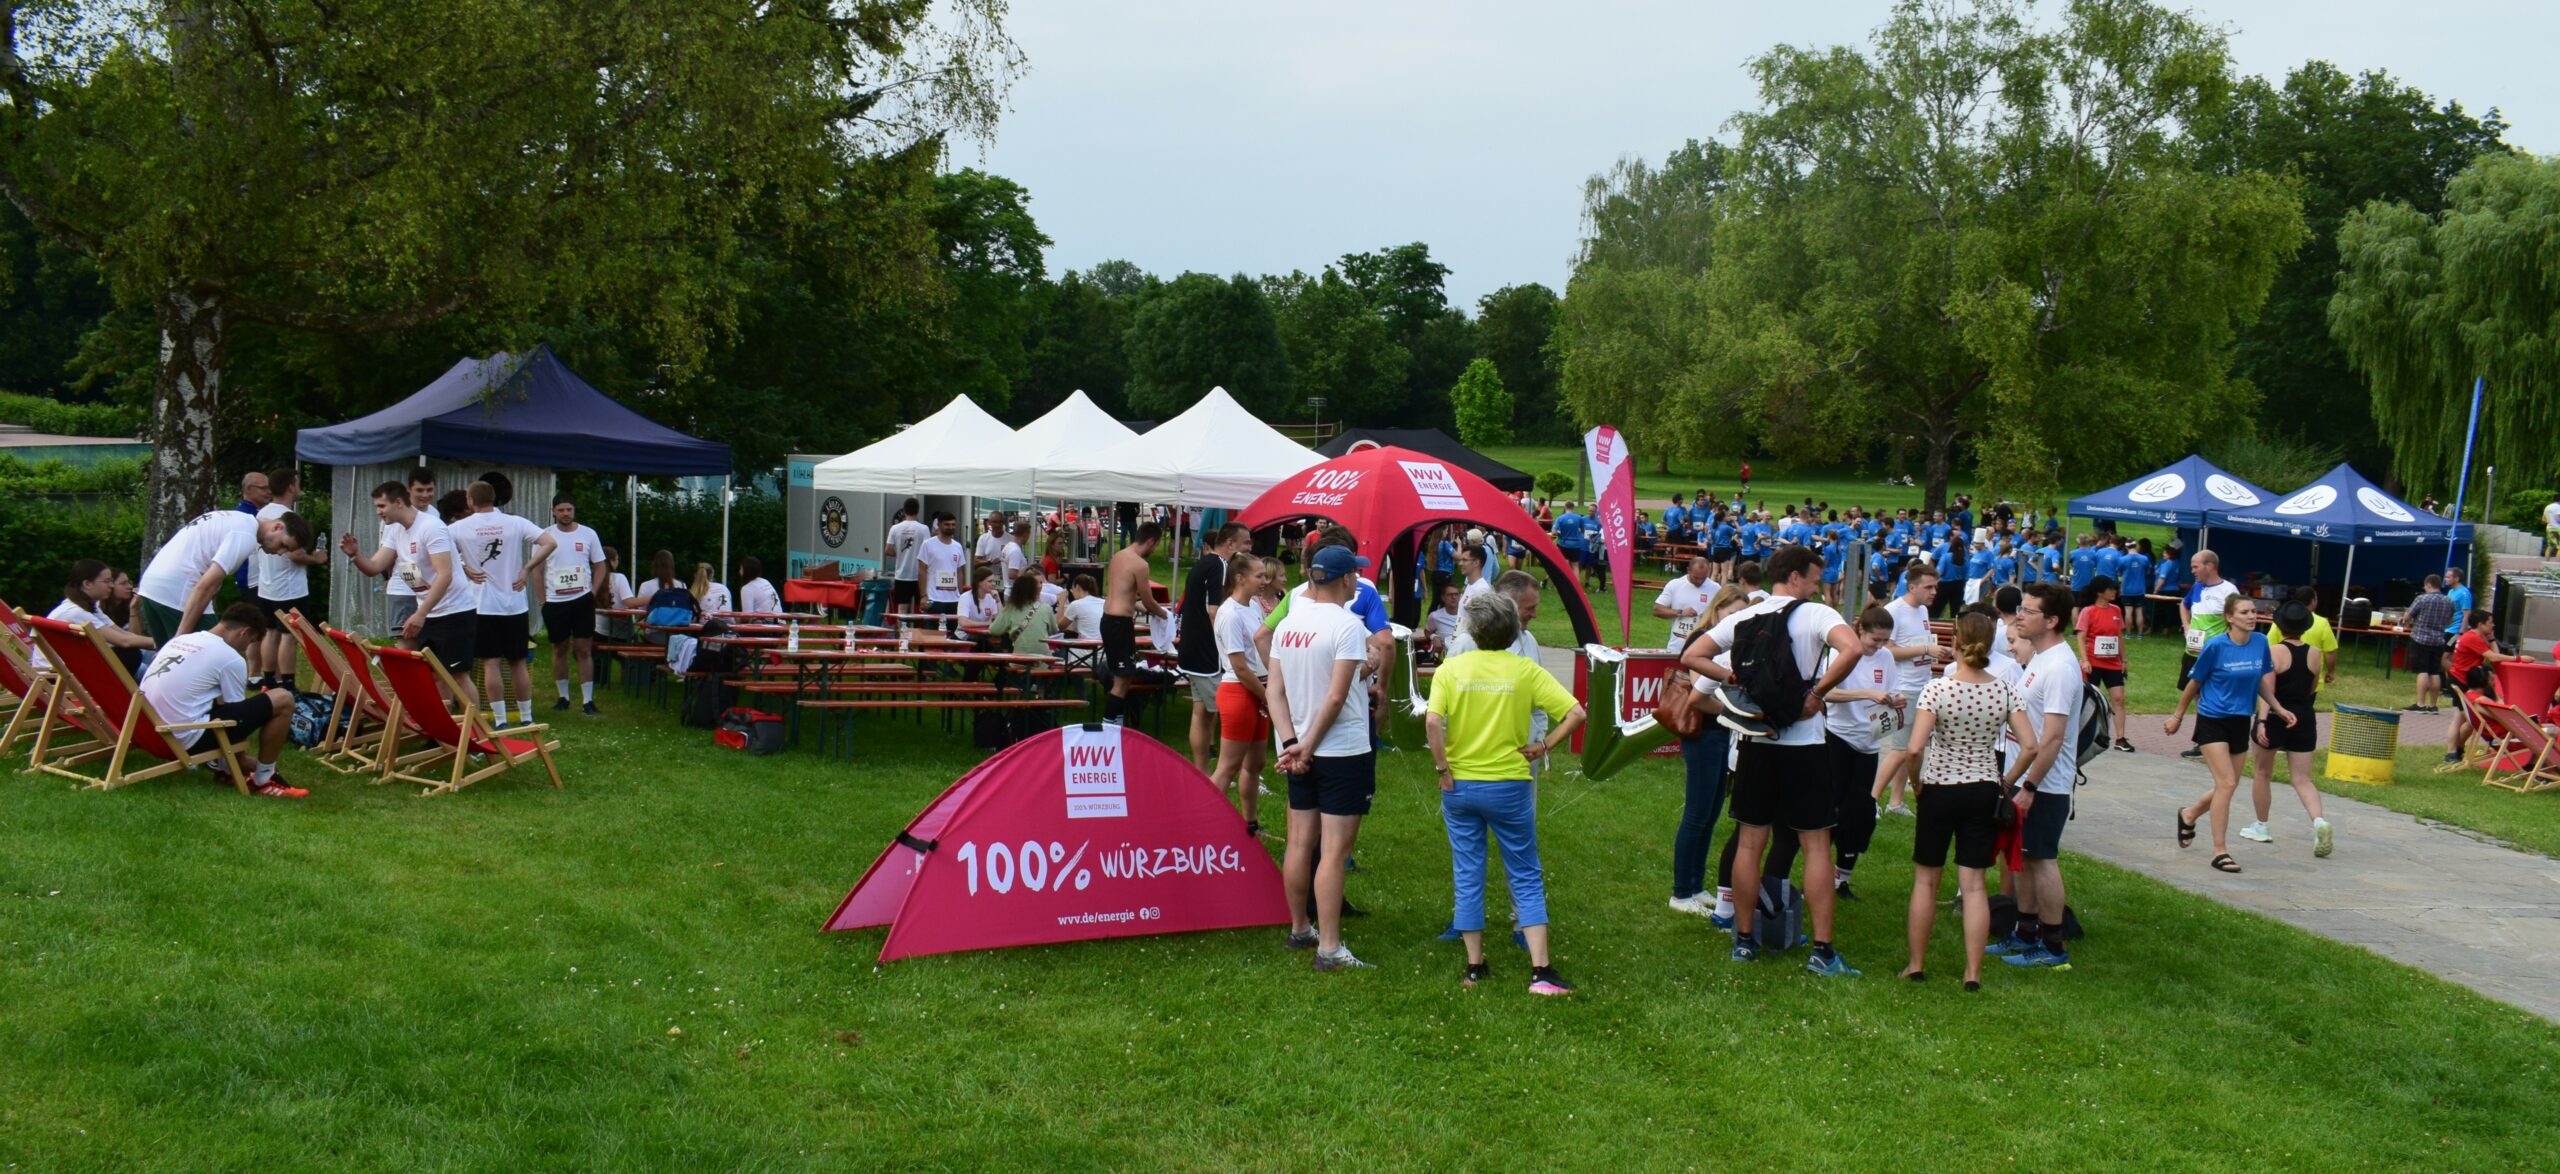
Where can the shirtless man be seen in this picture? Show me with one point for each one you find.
(1125, 596)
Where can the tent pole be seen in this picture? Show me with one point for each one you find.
(724, 527)
(2347, 585)
(631, 491)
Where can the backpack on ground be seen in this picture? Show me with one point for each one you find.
(751, 730)
(1779, 924)
(1764, 664)
(311, 718)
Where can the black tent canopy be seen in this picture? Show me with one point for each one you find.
(1436, 443)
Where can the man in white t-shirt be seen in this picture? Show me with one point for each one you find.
(1015, 555)
(1683, 600)
(202, 677)
(987, 553)
(1319, 709)
(177, 587)
(492, 545)
(905, 540)
(942, 566)
(418, 550)
(422, 497)
(1781, 771)
(1915, 649)
(577, 567)
(2049, 689)
(283, 583)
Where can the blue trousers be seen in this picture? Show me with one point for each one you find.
(1508, 811)
(1704, 759)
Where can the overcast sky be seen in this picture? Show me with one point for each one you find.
(1264, 137)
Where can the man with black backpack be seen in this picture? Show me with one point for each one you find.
(1783, 773)
(2049, 688)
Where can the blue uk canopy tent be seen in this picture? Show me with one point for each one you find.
(2180, 496)
(515, 409)
(2344, 507)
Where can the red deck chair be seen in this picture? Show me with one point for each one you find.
(32, 690)
(118, 714)
(374, 754)
(419, 687)
(2489, 742)
(350, 710)
(2533, 765)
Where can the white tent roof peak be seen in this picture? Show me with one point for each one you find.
(1214, 454)
(905, 461)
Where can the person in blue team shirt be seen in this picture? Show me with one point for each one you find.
(1675, 521)
(1645, 533)
(1977, 572)
(1567, 531)
(2052, 555)
(1797, 532)
(1831, 563)
(2169, 572)
(1444, 558)
(2133, 570)
(2110, 558)
(1751, 539)
(2460, 593)
(2004, 566)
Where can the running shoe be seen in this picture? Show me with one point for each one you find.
(1722, 921)
(590, 710)
(1844, 892)
(2257, 832)
(1340, 959)
(278, 790)
(1545, 981)
(1737, 702)
(1748, 727)
(1701, 903)
(1452, 933)
(559, 705)
(1898, 809)
(1834, 966)
(1744, 949)
(2320, 835)
(2124, 745)
(2192, 752)
(2452, 756)
(1477, 972)
(2039, 957)
(2005, 947)
(1302, 940)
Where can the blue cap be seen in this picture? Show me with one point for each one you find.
(1333, 562)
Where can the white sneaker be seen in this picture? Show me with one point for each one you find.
(2320, 837)
(1897, 809)
(2257, 832)
(1701, 903)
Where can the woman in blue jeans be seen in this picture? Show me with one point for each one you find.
(1704, 758)
(1478, 726)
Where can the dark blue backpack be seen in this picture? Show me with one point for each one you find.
(671, 607)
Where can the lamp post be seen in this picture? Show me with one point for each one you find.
(1315, 403)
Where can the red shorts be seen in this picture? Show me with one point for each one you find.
(1241, 718)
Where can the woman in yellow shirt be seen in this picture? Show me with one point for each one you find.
(1478, 725)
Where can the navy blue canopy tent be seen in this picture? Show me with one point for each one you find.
(519, 409)
(2180, 496)
(1434, 442)
(2345, 507)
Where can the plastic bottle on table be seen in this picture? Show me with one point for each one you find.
(792, 640)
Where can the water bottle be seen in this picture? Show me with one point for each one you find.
(904, 640)
(792, 641)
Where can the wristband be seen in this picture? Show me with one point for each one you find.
(1291, 742)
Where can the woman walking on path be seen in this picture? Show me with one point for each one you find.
(1478, 727)
(1961, 718)
(2233, 673)
(2297, 675)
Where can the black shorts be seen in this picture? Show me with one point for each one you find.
(275, 609)
(2425, 659)
(1790, 785)
(1119, 646)
(2229, 731)
(1721, 554)
(570, 619)
(247, 715)
(503, 637)
(2106, 678)
(2041, 838)
(1958, 814)
(904, 593)
(452, 641)
(1336, 786)
(2303, 736)
(941, 608)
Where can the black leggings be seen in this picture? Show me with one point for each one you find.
(1853, 773)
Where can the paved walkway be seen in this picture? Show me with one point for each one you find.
(2441, 899)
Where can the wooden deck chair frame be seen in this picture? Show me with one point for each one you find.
(87, 671)
(419, 687)
(377, 753)
(350, 710)
(2489, 740)
(2542, 771)
(34, 690)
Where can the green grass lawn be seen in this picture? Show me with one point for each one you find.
(494, 980)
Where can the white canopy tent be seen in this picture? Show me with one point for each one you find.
(1215, 455)
(919, 460)
(1071, 430)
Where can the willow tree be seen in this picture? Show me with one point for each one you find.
(2427, 304)
(366, 165)
(1992, 235)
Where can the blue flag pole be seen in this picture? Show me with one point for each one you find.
(2463, 483)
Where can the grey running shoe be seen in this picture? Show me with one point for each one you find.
(1340, 959)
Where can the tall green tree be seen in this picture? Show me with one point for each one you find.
(1408, 289)
(374, 165)
(1513, 325)
(1989, 233)
(992, 263)
(2428, 303)
(1078, 343)
(2343, 142)
(1339, 349)
(1200, 332)
(1482, 405)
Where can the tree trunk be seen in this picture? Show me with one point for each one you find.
(1941, 440)
(194, 342)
